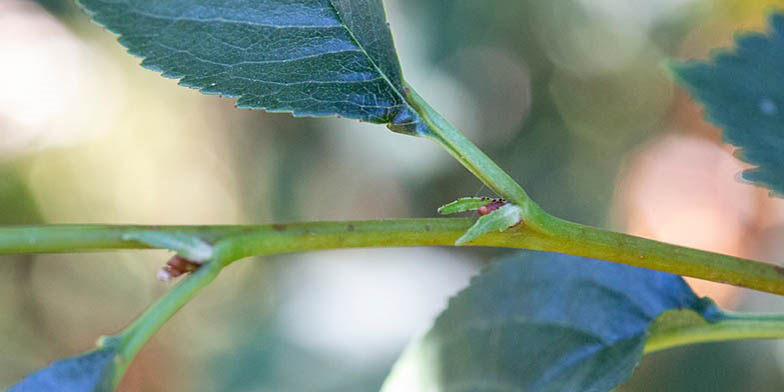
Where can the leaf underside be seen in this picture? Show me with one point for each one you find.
(743, 93)
(306, 57)
(543, 322)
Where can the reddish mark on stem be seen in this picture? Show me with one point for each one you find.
(778, 269)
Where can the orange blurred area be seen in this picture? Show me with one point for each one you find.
(681, 189)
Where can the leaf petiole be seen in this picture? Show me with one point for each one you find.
(731, 326)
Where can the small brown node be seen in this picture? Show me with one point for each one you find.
(779, 269)
(175, 267)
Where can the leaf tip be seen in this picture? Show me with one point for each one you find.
(465, 238)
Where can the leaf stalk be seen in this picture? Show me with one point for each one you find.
(736, 326)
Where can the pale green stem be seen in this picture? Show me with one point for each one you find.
(562, 237)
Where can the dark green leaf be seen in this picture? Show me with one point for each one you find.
(743, 92)
(307, 57)
(89, 372)
(544, 322)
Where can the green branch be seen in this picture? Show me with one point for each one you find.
(561, 237)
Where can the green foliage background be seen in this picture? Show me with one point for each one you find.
(560, 94)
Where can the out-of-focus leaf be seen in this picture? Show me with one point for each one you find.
(743, 92)
(501, 219)
(17, 205)
(307, 57)
(90, 372)
(544, 322)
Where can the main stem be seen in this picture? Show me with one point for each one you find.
(561, 237)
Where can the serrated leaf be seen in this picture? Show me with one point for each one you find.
(307, 57)
(544, 322)
(462, 204)
(89, 372)
(188, 246)
(501, 219)
(743, 93)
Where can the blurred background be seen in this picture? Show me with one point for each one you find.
(571, 97)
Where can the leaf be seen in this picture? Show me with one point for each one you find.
(743, 93)
(544, 322)
(462, 204)
(90, 372)
(307, 57)
(501, 219)
(188, 246)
